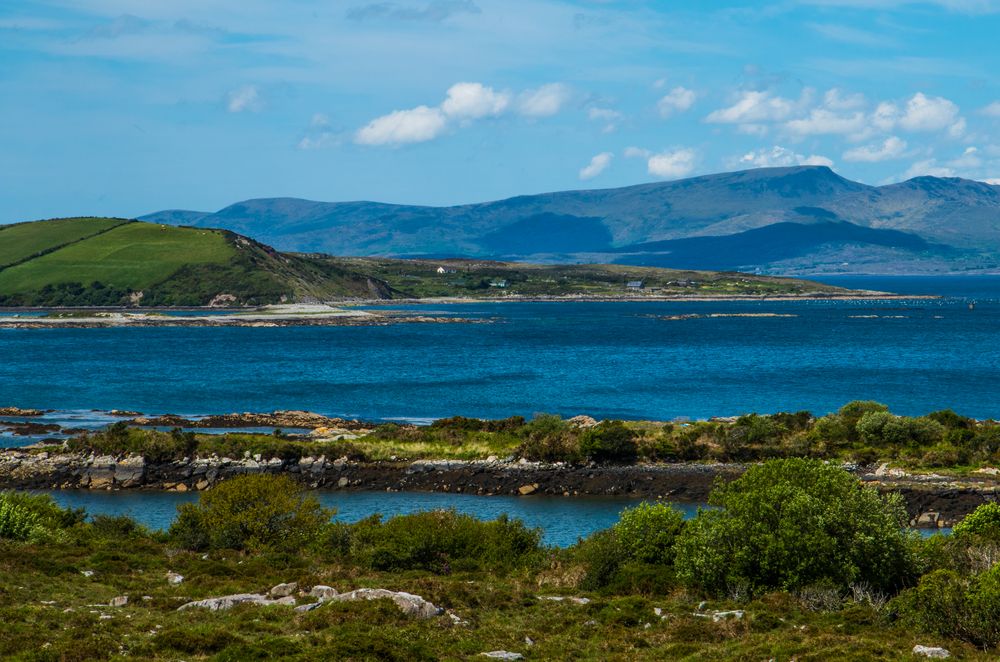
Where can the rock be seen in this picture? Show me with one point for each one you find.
(525, 490)
(563, 598)
(990, 471)
(229, 601)
(582, 422)
(16, 411)
(931, 651)
(174, 578)
(343, 481)
(927, 519)
(323, 592)
(119, 601)
(503, 655)
(409, 604)
(283, 590)
(735, 614)
(130, 472)
(87, 573)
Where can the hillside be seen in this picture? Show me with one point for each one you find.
(803, 219)
(107, 262)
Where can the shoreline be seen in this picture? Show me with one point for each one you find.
(932, 501)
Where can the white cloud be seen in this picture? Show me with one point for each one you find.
(993, 110)
(923, 113)
(823, 121)
(607, 115)
(244, 98)
(779, 156)
(598, 164)
(672, 165)
(319, 134)
(928, 168)
(416, 125)
(544, 101)
(891, 148)
(474, 101)
(968, 159)
(753, 107)
(993, 181)
(637, 153)
(678, 99)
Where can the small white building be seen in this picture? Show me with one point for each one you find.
(442, 270)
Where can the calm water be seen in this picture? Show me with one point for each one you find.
(562, 520)
(603, 359)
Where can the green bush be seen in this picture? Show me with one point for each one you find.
(441, 541)
(647, 533)
(609, 441)
(880, 428)
(254, 513)
(548, 438)
(33, 517)
(948, 604)
(792, 523)
(602, 556)
(983, 522)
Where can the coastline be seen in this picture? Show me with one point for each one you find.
(932, 501)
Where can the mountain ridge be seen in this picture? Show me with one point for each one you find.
(957, 220)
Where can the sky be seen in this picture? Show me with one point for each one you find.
(125, 107)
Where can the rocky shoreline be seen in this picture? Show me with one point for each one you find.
(931, 501)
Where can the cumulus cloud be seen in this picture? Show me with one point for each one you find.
(678, 99)
(474, 101)
(416, 125)
(993, 110)
(752, 107)
(463, 103)
(779, 156)
(924, 113)
(544, 101)
(821, 121)
(891, 148)
(672, 164)
(598, 164)
(637, 153)
(246, 98)
(928, 167)
(319, 134)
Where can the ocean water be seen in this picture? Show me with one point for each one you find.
(616, 359)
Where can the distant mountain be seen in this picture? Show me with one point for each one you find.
(804, 219)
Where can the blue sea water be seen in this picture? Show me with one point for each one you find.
(616, 359)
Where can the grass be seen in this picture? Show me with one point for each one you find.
(25, 240)
(51, 611)
(134, 256)
(472, 278)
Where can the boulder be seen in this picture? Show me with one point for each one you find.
(119, 601)
(283, 590)
(931, 651)
(525, 490)
(409, 604)
(174, 578)
(323, 592)
(582, 421)
(503, 655)
(230, 601)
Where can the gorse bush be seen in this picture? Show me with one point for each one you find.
(787, 524)
(440, 541)
(254, 513)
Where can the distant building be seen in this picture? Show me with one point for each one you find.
(502, 284)
(635, 285)
(442, 270)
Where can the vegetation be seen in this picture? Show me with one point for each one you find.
(643, 604)
(488, 279)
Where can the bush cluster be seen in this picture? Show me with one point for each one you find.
(28, 517)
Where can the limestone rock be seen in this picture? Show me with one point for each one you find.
(503, 655)
(525, 490)
(409, 604)
(323, 592)
(230, 601)
(119, 601)
(283, 590)
(931, 651)
(174, 578)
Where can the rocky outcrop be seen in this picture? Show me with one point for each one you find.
(17, 411)
(230, 601)
(276, 419)
(409, 604)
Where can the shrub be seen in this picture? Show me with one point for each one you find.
(791, 523)
(983, 522)
(548, 438)
(647, 533)
(880, 428)
(853, 411)
(253, 513)
(441, 541)
(33, 517)
(947, 604)
(609, 441)
(602, 556)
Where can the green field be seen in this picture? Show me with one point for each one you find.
(24, 240)
(134, 256)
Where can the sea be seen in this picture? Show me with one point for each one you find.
(627, 360)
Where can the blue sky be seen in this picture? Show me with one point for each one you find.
(123, 107)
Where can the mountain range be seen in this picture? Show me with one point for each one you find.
(794, 220)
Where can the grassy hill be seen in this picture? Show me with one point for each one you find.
(105, 262)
